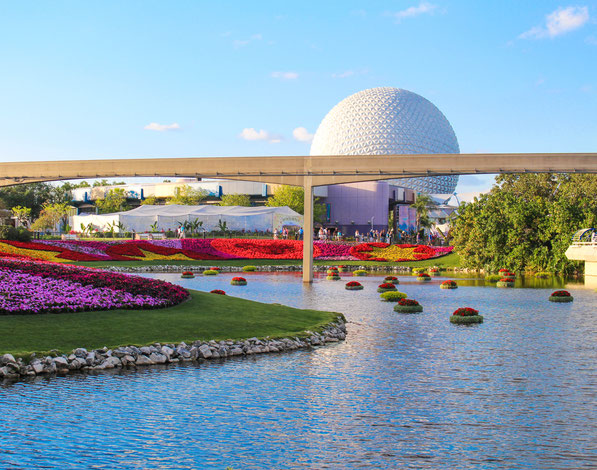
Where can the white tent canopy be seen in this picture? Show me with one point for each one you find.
(169, 217)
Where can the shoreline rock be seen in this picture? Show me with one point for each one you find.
(132, 357)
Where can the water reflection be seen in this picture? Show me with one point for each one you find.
(404, 391)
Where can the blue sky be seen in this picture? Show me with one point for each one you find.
(84, 80)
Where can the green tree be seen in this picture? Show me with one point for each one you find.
(526, 222)
(115, 201)
(51, 216)
(32, 195)
(236, 200)
(294, 197)
(187, 196)
(22, 214)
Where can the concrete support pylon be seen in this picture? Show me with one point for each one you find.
(308, 233)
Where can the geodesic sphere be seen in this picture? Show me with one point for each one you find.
(387, 121)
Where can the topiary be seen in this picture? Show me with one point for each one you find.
(466, 316)
(449, 284)
(248, 269)
(392, 296)
(408, 306)
(360, 272)
(210, 272)
(238, 281)
(561, 296)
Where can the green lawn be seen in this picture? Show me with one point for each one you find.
(204, 316)
(449, 261)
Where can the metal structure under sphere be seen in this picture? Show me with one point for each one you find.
(389, 121)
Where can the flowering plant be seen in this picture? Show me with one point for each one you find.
(188, 273)
(504, 270)
(386, 285)
(561, 293)
(507, 279)
(408, 302)
(423, 275)
(465, 312)
(217, 291)
(390, 278)
(353, 284)
(449, 283)
(239, 279)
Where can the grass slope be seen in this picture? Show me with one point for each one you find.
(449, 261)
(204, 316)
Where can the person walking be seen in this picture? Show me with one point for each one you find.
(300, 233)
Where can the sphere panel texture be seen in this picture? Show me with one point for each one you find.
(388, 121)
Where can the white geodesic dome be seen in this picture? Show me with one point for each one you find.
(387, 121)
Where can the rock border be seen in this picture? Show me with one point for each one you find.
(132, 357)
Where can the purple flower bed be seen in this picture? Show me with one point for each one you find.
(88, 247)
(29, 294)
(50, 287)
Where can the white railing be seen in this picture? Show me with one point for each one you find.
(585, 243)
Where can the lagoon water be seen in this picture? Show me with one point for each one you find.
(403, 391)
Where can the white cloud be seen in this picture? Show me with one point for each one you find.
(237, 43)
(302, 135)
(558, 22)
(422, 9)
(154, 126)
(249, 133)
(285, 75)
(347, 73)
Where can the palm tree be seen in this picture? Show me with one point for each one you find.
(423, 203)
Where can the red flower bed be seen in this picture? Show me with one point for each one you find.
(386, 285)
(465, 312)
(263, 249)
(188, 273)
(423, 275)
(217, 291)
(215, 268)
(449, 283)
(240, 279)
(561, 293)
(503, 270)
(353, 284)
(390, 278)
(507, 279)
(408, 302)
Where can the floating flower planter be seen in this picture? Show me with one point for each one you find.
(359, 272)
(392, 296)
(434, 272)
(217, 291)
(417, 271)
(353, 285)
(215, 268)
(386, 287)
(561, 296)
(332, 271)
(448, 285)
(392, 279)
(187, 275)
(503, 270)
(466, 316)
(238, 281)
(423, 277)
(342, 269)
(333, 277)
(408, 306)
(506, 282)
(249, 269)
(210, 272)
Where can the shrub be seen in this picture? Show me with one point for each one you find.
(187, 274)
(465, 316)
(408, 306)
(561, 296)
(542, 275)
(353, 285)
(359, 272)
(449, 284)
(248, 269)
(392, 296)
(8, 232)
(210, 272)
(423, 277)
(492, 278)
(393, 279)
(416, 271)
(217, 291)
(238, 281)
(386, 286)
(333, 277)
